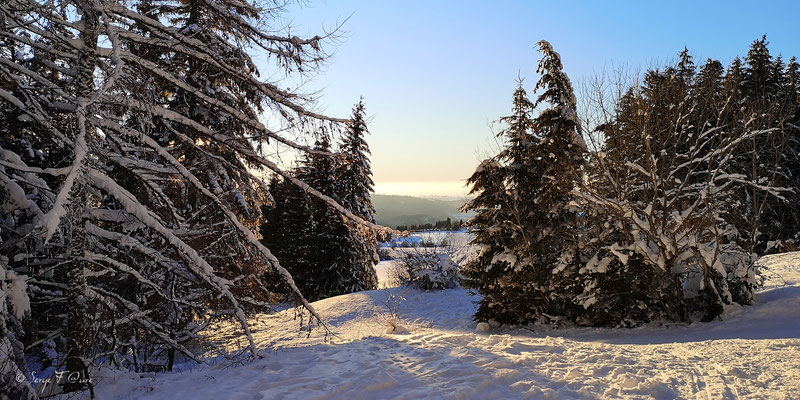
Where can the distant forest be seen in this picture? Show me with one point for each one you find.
(397, 211)
(448, 225)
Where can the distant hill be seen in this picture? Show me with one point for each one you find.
(392, 210)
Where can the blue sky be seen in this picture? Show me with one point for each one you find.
(435, 74)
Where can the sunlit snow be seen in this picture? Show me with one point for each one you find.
(750, 354)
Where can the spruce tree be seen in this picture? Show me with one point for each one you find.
(14, 304)
(684, 179)
(497, 224)
(325, 252)
(354, 176)
(355, 171)
(343, 263)
(792, 99)
(768, 221)
(525, 223)
(558, 156)
(138, 156)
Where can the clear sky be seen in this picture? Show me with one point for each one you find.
(436, 74)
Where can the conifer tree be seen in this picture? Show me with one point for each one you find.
(525, 222)
(355, 171)
(135, 155)
(354, 176)
(14, 304)
(792, 99)
(767, 222)
(497, 224)
(343, 264)
(326, 254)
(674, 188)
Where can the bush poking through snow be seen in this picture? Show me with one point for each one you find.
(426, 269)
(394, 326)
(392, 303)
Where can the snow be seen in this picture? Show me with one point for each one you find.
(403, 241)
(199, 266)
(14, 290)
(52, 219)
(754, 352)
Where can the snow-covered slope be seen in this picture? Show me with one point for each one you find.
(753, 353)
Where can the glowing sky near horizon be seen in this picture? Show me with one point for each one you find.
(450, 189)
(435, 74)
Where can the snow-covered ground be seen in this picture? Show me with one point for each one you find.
(753, 353)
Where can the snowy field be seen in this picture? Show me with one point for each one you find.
(754, 353)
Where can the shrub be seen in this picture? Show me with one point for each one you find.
(427, 269)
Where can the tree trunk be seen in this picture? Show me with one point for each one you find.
(78, 335)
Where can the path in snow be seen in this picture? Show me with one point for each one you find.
(753, 353)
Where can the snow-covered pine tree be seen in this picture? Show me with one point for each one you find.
(620, 288)
(558, 155)
(526, 220)
(763, 86)
(496, 224)
(355, 186)
(326, 254)
(132, 151)
(290, 231)
(355, 170)
(14, 304)
(320, 270)
(792, 98)
(666, 186)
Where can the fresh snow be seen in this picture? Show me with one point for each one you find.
(14, 291)
(753, 353)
